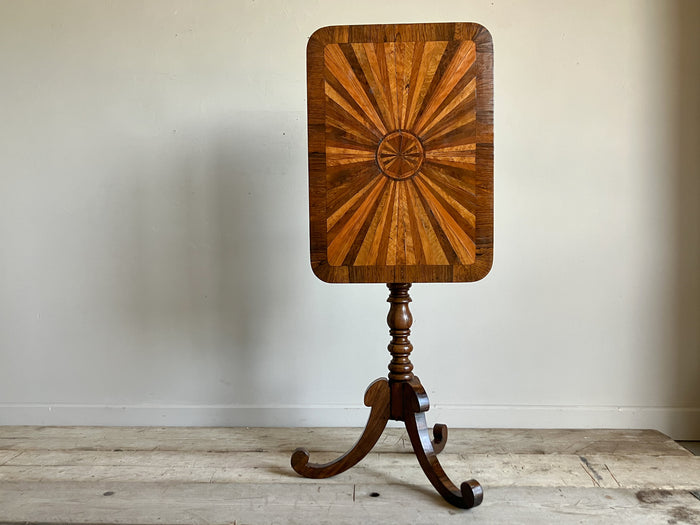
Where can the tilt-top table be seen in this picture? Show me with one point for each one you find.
(400, 191)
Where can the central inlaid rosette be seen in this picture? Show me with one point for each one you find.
(400, 155)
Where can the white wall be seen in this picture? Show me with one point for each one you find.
(154, 238)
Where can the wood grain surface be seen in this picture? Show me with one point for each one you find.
(241, 475)
(401, 152)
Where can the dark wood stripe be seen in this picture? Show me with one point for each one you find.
(359, 239)
(463, 135)
(340, 138)
(414, 90)
(351, 57)
(453, 118)
(384, 72)
(384, 244)
(454, 213)
(458, 183)
(401, 225)
(463, 107)
(347, 216)
(445, 244)
(461, 86)
(346, 181)
(351, 130)
(371, 129)
(418, 248)
(445, 60)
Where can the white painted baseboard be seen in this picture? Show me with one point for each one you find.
(678, 423)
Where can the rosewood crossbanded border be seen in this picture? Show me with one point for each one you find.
(401, 152)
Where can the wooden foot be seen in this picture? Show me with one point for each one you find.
(415, 404)
(377, 397)
(439, 437)
(412, 401)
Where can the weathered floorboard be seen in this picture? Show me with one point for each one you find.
(243, 475)
(475, 441)
(323, 503)
(665, 472)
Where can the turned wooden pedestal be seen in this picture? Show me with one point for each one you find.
(401, 397)
(400, 123)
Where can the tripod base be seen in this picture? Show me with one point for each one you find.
(401, 398)
(403, 401)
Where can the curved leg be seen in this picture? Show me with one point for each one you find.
(415, 402)
(377, 396)
(439, 437)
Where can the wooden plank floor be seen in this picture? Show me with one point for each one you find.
(242, 476)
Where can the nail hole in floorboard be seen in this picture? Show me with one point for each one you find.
(374, 494)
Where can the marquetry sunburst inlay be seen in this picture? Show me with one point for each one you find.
(400, 120)
(400, 153)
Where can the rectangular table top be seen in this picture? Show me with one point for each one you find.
(401, 152)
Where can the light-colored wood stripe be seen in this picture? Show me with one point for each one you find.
(432, 250)
(383, 241)
(343, 241)
(367, 57)
(461, 62)
(339, 156)
(406, 230)
(340, 212)
(367, 255)
(387, 64)
(462, 244)
(393, 230)
(343, 182)
(390, 58)
(463, 153)
(414, 83)
(429, 62)
(465, 163)
(448, 177)
(401, 232)
(340, 68)
(376, 56)
(342, 160)
(467, 149)
(449, 108)
(467, 118)
(464, 212)
(363, 135)
(346, 151)
(416, 242)
(404, 60)
(338, 99)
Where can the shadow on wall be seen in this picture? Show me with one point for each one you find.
(686, 172)
(207, 231)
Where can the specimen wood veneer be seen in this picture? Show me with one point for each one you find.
(401, 152)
